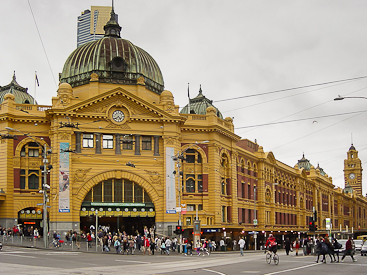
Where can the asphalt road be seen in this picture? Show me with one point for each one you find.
(18, 260)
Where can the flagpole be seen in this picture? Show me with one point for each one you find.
(35, 84)
(188, 94)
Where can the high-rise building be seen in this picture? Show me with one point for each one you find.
(91, 23)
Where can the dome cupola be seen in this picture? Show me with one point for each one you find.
(114, 60)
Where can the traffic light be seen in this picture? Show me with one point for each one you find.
(179, 230)
(315, 227)
(311, 224)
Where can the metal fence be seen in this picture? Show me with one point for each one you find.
(23, 241)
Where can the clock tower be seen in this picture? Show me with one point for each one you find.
(353, 171)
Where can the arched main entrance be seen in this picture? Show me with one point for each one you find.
(121, 204)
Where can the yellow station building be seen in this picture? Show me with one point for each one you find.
(120, 149)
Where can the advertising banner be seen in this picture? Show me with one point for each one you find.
(170, 181)
(64, 191)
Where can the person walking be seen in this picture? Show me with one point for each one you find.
(287, 245)
(296, 245)
(348, 250)
(337, 246)
(241, 243)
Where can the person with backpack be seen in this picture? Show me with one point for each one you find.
(271, 244)
(117, 245)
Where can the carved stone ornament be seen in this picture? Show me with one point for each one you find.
(94, 77)
(80, 174)
(154, 177)
(140, 81)
(170, 140)
(115, 126)
(64, 135)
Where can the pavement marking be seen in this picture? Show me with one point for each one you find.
(22, 256)
(217, 272)
(140, 262)
(292, 269)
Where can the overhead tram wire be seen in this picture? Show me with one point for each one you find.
(301, 119)
(295, 88)
(43, 46)
(316, 131)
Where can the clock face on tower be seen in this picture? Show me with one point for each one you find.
(118, 116)
(352, 176)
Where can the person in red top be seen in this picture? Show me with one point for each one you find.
(146, 245)
(271, 244)
(348, 249)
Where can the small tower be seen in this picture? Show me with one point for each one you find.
(353, 171)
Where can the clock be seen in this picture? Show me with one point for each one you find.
(352, 176)
(118, 116)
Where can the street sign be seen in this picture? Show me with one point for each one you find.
(255, 221)
(328, 223)
(178, 209)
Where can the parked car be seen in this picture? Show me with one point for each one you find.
(358, 245)
(364, 249)
(343, 242)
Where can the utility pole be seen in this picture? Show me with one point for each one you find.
(44, 189)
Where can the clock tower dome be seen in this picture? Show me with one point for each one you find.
(353, 171)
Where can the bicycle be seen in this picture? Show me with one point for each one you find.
(55, 244)
(270, 255)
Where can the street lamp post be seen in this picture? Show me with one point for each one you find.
(44, 185)
(343, 97)
(180, 158)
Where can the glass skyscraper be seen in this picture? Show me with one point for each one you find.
(91, 22)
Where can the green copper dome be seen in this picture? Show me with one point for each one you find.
(199, 104)
(304, 163)
(114, 60)
(20, 93)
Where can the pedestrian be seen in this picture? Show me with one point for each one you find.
(168, 245)
(117, 245)
(296, 245)
(287, 245)
(241, 243)
(189, 248)
(152, 246)
(349, 249)
(336, 246)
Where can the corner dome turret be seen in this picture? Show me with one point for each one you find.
(114, 60)
(199, 105)
(21, 95)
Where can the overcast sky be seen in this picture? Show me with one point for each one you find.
(233, 49)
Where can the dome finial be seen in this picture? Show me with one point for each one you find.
(14, 78)
(200, 91)
(112, 28)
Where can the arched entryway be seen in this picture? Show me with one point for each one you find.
(121, 203)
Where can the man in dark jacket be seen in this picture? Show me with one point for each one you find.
(287, 245)
(348, 250)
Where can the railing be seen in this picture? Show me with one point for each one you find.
(30, 241)
(30, 107)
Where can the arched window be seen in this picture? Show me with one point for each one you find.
(118, 190)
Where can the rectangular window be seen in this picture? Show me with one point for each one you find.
(88, 140)
(200, 207)
(188, 221)
(224, 214)
(128, 191)
(138, 193)
(146, 143)
(33, 153)
(97, 193)
(107, 191)
(22, 179)
(117, 190)
(200, 183)
(127, 142)
(107, 141)
(191, 207)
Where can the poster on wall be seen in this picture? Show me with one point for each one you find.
(170, 181)
(64, 191)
